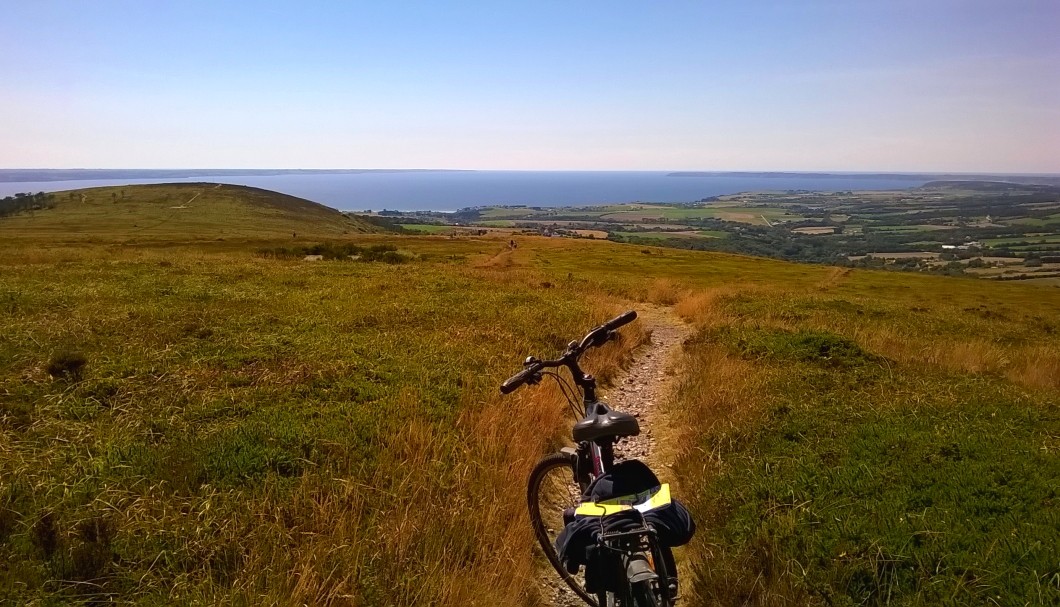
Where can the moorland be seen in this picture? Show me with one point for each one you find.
(220, 395)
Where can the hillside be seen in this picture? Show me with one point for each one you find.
(193, 424)
(178, 212)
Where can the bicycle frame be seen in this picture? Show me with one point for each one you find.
(599, 454)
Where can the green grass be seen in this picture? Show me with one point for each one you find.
(868, 484)
(511, 212)
(668, 235)
(1033, 239)
(865, 450)
(1051, 220)
(178, 212)
(429, 228)
(231, 407)
(184, 421)
(751, 215)
(655, 235)
(908, 228)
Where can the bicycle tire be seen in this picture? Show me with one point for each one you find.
(535, 497)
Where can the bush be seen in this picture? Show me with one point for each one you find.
(820, 347)
(67, 365)
(386, 253)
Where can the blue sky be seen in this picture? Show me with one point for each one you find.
(828, 85)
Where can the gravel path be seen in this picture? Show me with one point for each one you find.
(638, 390)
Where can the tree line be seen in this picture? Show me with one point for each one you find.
(23, 202)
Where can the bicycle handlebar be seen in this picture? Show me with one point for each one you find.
(520, 378)
(621, 319)
(601, 334)
(596, 337)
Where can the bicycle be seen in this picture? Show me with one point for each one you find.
(626, 564)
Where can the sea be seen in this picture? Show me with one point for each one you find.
(453, 190)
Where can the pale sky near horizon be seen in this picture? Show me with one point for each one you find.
(930, 85)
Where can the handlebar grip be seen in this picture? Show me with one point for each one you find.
(518, 379)
(600, 335)
(620, 320)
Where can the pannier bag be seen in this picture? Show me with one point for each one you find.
(619, 501)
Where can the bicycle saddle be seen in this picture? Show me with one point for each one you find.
(603, 422)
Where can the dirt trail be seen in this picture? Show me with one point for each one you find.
(639, 390)
(647, 382)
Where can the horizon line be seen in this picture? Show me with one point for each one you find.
(441, 169)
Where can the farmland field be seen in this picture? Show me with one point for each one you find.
(969, 219)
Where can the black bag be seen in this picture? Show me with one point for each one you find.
(576, 543)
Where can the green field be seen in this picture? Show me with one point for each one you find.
(907, 228)
(841, 472)
(428, 228)
(635, 212)
(1051, 221)
(186, 420)
(511, 212)
(655, 235)
(738, 214)
(1030, 239)
(699, 234)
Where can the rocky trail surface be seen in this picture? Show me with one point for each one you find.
(639, 390)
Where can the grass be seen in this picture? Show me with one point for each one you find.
(428, 228)
(512, 212)
(1030, 239)
(184, 420)
(178, 212)
(658, 235)
(962, 504)
(238, 417)
(742, 214)
(1051, 220)
(908, 228)
(830, 466)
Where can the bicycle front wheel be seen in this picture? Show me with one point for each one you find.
(551, 490)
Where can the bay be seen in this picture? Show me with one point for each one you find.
(453, 190)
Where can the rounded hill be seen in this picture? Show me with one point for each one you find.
(177, 212)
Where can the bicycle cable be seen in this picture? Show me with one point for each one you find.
(567, 390)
